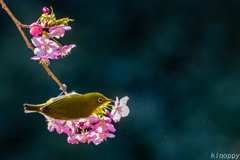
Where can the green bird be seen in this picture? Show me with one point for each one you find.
(70, 106)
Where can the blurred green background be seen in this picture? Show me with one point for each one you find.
(178, 61)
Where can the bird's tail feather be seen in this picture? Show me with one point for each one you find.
(29, 108)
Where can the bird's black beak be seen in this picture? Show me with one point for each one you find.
(110, 100)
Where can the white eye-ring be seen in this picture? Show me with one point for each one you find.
(100, 100)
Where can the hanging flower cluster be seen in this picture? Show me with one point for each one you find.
(94, 128)
(46, 46)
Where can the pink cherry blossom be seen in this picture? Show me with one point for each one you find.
(46, 10)
(35, 29)
(91, 136)
(58, 31)
(65, 50)
(84, 137)
(70, 127)
(120, 109)
(88, 122)
(99, 137)
(73, 139)
(42, 59)
(67, 130)
(54, 123)
(44, 48)
(104, 125)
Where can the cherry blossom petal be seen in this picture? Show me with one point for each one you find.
(58, 31)
(116, 116)
(37, 41)
(39, 51)
(35, 58)
(125, 111)
(73, 139)
(66, 28)
(123, 101)
(110, 127)
(65, 50)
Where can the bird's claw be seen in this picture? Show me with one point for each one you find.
(62, 89)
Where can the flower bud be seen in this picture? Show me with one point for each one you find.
(35, 29)
(45, 10)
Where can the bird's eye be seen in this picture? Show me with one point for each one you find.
(100, 100)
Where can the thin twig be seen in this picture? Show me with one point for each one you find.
(24, 26)
(54, 78)
(29, 45)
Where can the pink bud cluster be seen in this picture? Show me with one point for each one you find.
(45, 47)
(90, 129)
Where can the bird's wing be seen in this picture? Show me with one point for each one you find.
(59, 98)
(55, 101)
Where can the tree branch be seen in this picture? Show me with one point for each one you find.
(29, 45)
